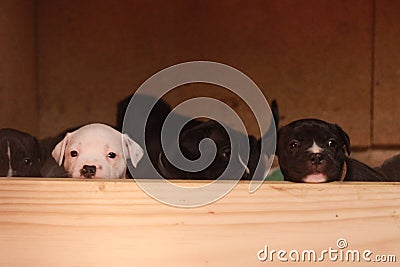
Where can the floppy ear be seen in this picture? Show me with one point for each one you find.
(59, 151)
(345, 138)
(135, 152)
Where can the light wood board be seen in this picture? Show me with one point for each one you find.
(61, 222)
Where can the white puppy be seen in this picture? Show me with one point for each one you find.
(96, 151)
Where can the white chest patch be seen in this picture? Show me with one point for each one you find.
(10, 170)
(315, 148)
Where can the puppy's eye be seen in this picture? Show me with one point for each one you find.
(332, 143)
(111, 155)
(27, 161)
(227, 154)
(74, 153)
(294, 144)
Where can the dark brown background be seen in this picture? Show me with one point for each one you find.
(67, 62)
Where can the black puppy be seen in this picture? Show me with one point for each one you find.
(314, 151)
(228, 151)
(19, 154)
(255, 168)
(189, 142)
(189, 139)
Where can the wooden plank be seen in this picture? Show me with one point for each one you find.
(113, 223)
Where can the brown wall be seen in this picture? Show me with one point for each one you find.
(317, 58)
(18, 105)
(386, 127)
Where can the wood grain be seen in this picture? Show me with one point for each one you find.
(59, 222)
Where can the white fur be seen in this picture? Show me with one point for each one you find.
(315, 148)
(10, 170)
(93, 143)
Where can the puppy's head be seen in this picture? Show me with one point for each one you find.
(312, 151)
(189, 142)
(19, 154)
(96, 151)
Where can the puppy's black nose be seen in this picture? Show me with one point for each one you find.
(316, 159)
(88, 171)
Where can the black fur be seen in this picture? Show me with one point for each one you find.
(391, 168)
(189, 138)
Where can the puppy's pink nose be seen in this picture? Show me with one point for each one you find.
(88, 171)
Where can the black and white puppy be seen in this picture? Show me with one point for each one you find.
(314, 151)
(19, 154)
